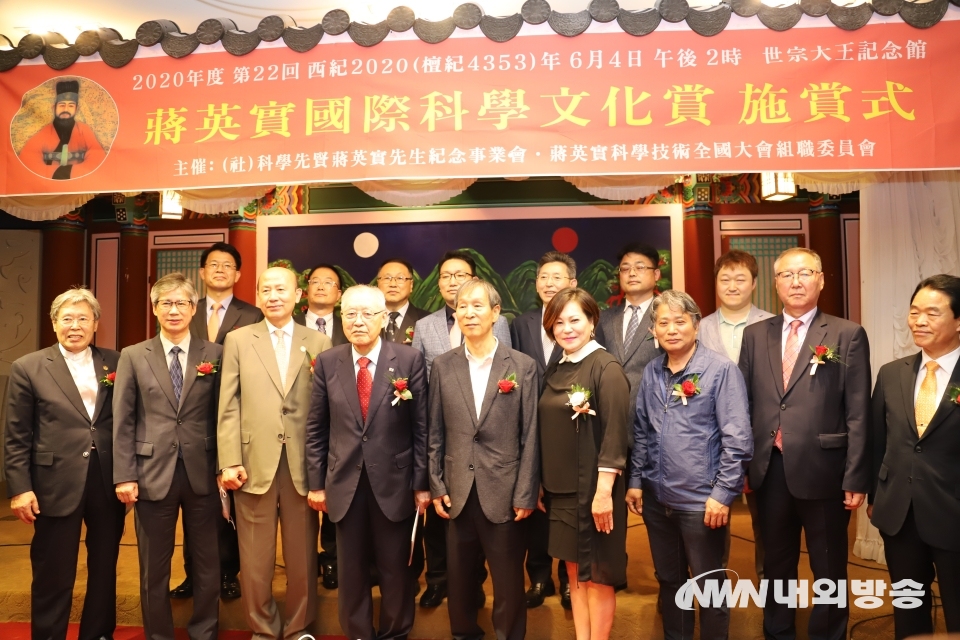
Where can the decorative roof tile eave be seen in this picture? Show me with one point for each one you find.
(59, 54)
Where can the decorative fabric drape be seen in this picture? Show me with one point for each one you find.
(622, 187)
(40, 208)
(214, 201)
(839, 183)
(909, 230)
(414, 193)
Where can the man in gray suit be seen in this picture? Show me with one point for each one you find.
(484, 462)
(58, 454)
(722, 331)
(624, 331)
(165, 456)
(434, 335)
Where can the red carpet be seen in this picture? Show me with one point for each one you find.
(21, 631)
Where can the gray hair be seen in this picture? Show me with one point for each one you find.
(358, 290)
(802, 250)
(678, 301)
(172, 282)
(76, 295)
(493, 296)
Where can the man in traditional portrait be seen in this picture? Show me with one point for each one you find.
(66, 148)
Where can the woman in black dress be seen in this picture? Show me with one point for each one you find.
(584, 414)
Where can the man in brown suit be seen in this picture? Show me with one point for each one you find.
(264, 402)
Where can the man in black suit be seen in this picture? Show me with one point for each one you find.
(219, 313)
(58, 457)
(367, 463)
(165, 456)
(810, 412)
(555, 271)
(395, 279)
(916, 445)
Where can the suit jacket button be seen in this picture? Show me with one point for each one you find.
(279, 436)
(783, 407)
(174, 445)
(918, 449)
(93, 428)
(909, 479)
(86, 454)
(364, 438)
(284, 412)
(179, 421)
(773, 434)
(471, 467)
(359, 467)
(476, 438)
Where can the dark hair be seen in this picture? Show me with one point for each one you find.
(459, 254)
(947, 285)
(327, 266)
(644, 250)
(562, 258)
(555, 307)
(403, 261)
(225, 248)
(737, 258)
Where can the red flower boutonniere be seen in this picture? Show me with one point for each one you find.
(687, 389)
(408, 336)
(508, 384)
(954, 392)
(108, 379)
(207, 368)
(312, 359)
(822, 354)
(400, 390)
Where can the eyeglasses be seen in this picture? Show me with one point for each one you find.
(351, 316)
(392, 279)
(68, 321)
(639, 268)
(217, 266)
(555, 279)
(325, 284)
(804, 275)
(459, 276)
(182, 305)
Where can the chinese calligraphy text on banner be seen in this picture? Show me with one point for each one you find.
(812, 99)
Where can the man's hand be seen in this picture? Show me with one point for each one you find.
(25, 506)
(439, 503)
(716, 515)
(540, 501)
(852, 501)
(317, 500)
(233, 477)
(421, 500)
(870, 511)
(127, 492)
(635, 501)
(521, 513)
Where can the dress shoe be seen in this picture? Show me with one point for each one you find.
(537, 592)
(329, 571)
(481, 597)
(433, 596)
(229, 588)
(565, 597)
(184, 591)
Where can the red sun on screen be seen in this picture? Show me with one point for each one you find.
(565, 239)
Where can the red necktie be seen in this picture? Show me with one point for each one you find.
(364, 386)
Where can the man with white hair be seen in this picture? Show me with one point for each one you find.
(367, 462)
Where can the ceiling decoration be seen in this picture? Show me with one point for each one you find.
(59, 54)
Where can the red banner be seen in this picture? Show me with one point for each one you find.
(809, 99)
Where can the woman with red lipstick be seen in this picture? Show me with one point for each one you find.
(584, 413)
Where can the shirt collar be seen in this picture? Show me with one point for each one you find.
(373, 356)
(693, 364)
(723, 320)
(643, 306)
(947, 362)
(287, 328)
(402, 310)
(805, 318)
(450, 311)
(225, 303)
(582, 352)
(483, 359)
(75, 357)
(167, 345)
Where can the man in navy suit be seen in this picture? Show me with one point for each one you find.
(367, 462)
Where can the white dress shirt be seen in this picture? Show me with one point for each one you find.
(84, 376)
(947, 364)
(627, 312)
(184, 347)
(801, 330)
(403, 313)
(310, 320)
(480, 367)
(287, 338)
(221, 312)
(577, 356)
(373, 356)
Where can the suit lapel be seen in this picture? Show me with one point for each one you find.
(381, 382)
(533, 330)
(643, 330)
(498, 371)
(908, 382)
(462, 369)
(197, 325)
(268, 356)
(815, 335)
(61, 375)
(774, 351)
(230, 318)
(158, 364)
(194, 357)
(945, 408)
(101, 369)
(348, 382)
(618, 335)
(297, 354)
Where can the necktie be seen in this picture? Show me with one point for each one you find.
(926, 404)
(176, 372)
(391, 330)
(322, 326)
(790, 353)
(213, 324)
(282, 360)
(632, 326)
(456, 337)
(364, 386)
